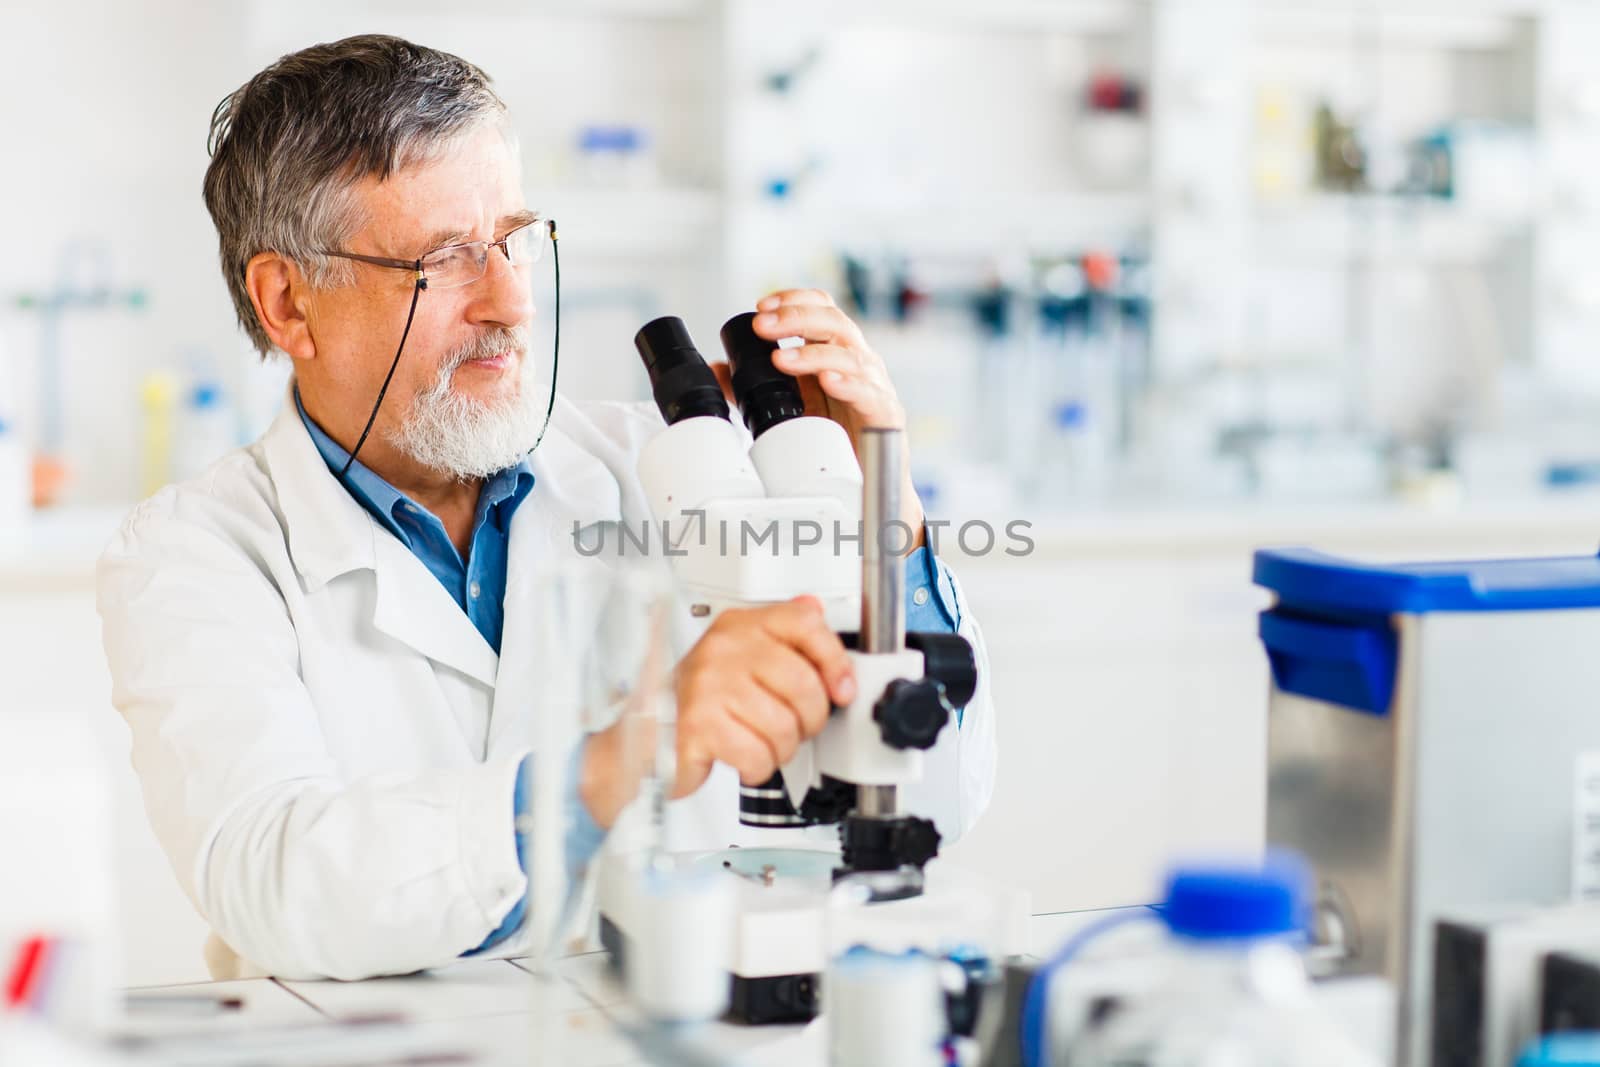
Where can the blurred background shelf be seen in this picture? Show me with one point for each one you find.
(1485, 25)
(632, 221)
(1089, 17)
(1386, 229)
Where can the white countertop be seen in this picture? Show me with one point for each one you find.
(496, 1012)
(1165, 528)
(58, 549)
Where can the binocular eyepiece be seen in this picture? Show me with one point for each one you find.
(684, 386)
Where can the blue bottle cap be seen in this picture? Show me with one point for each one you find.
(205, 395)
(1071, 415)
(1238, 902)
(1575, 1049)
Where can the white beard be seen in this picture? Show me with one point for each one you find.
(465, 437)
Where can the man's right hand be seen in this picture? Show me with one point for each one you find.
(757, 683)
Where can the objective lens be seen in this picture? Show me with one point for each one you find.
(680, 380)
(766, 395)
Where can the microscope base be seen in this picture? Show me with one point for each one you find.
(779, 947)
(763, 1001)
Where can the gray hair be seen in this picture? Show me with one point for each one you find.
(288, 146)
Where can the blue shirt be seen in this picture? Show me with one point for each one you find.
(931, 602)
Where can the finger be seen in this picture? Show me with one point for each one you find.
(816, 358)
(800, 624)
(724, 373)
(816, 297)
(867, 396)
(811, 321)
(744, 750)
(793, 679)
(695, 760)
(862, 395)
(769, 717)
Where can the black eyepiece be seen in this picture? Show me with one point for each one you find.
(680, 380)
(766, 395)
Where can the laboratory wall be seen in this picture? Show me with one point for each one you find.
(1163, 280)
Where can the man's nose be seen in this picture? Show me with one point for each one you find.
(504, 295)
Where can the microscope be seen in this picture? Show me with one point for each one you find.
(763, 523)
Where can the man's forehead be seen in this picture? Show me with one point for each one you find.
(472, 185)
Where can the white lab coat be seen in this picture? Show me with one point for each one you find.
(326, 744)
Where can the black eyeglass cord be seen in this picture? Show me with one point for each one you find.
(416, 293)
(555, 354)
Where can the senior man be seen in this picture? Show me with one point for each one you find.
(306, 640)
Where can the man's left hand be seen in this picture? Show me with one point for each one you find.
(841, 377)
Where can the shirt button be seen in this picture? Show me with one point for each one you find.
(920, 597)
(473, 590)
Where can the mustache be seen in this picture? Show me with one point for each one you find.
(490, 342)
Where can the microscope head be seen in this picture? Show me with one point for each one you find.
(683, 385)
(766, 395)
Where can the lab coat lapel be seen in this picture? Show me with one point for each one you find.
(330, 534)
(414, 607)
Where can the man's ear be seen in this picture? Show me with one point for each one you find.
(279, 292)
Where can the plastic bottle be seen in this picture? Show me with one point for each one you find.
(1577, 1048)
(206, 430)
(1235, 991)
(913, 974)
(157, 396)
(1075, 455)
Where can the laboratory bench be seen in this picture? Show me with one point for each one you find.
(496, 1012)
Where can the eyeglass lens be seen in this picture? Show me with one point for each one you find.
(464, 264)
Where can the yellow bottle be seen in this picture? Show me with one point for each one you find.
(158, 394)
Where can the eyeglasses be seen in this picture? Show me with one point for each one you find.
(463, 264)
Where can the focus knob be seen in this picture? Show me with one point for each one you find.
(911, 714)
(915, 842)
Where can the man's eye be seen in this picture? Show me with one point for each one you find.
(447, 259)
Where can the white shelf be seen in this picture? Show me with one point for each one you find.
(647, 220)
(966, 226)
(640, 9)
(1088, 17)
(1389, 228)
(564, 9)
(1486, 25)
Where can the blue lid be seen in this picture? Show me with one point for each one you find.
(1234, 902)
(205, 395)
(1563, 1050)
(610, 138)
(866, 960)
(1071, 415)
(1567, 475)
(1308, 580)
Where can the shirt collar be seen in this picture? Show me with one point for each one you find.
(502, 491)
